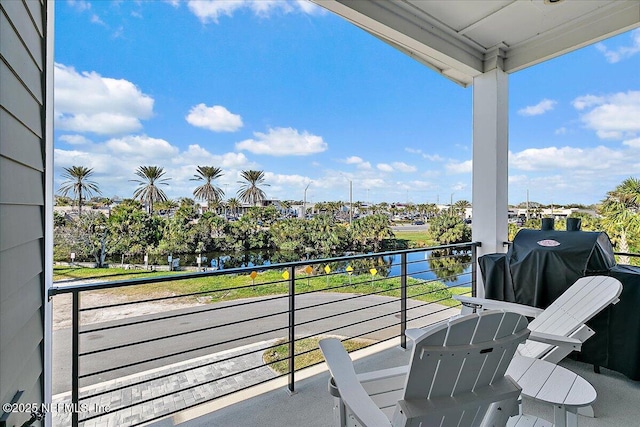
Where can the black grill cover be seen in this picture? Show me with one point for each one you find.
(544, 263)
(541, 264)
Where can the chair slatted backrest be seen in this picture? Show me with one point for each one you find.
(579, 303)
(460, 357)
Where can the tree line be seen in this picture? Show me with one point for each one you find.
(150, 180)
(133, 232)
(133, 229)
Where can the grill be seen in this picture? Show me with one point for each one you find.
(541, 264)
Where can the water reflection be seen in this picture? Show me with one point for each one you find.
(451, 266)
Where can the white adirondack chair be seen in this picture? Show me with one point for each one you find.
(456, 377)
(560, 328)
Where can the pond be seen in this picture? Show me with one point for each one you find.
(453, 270)
(420, 266)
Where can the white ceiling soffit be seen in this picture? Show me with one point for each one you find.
(464, 38)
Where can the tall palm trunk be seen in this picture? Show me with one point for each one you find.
(623, 246)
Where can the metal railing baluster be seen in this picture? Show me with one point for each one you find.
(75, 357)
(474, 269)
(292, 328)
(403, 300)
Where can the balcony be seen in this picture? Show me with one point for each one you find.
(193, 353)
(205, 332)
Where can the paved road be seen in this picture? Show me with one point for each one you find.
(410, 227)
(261, 318)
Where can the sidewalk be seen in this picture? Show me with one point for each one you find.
(148, 390)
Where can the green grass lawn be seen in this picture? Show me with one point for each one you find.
(228, 287)
(415, 239)
(307, 353)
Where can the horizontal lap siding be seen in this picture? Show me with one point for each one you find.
(22, 198)
(17, 142)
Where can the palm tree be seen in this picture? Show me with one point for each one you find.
(460, 207)
(78, 183)
(286, 206)
(167, 206)
(620, 213)
(215, 206)
(208, 191)
(250, 192)
(233, 204)
(148, 191)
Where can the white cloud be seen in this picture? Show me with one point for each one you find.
(101, 163)
(358, 161)
(384, 167)
(210, 11)
(633, 143)
(586, 101)
(283, 142)
(537, 159)
(622, 52)
(309, 8)
(459, 186)
(95, 19)
(459, 167)
(88, 102)
(100, 123)
(403, 167)
(196, 154)
(119, 32)
(538, 109)
(284, 185)
(216, 118)
(561, 131)
(430, 157)
(434, 157)
(613, 116)
(421, 185)
(142, 146)
(74, 139)
(79, 5)
(213, 10)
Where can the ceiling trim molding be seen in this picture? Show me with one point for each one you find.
(410, 28)
(611, 22)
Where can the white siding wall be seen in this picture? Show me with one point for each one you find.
(22, 200)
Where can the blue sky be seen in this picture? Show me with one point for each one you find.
(290, 89)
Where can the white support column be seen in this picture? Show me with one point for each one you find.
(490, 158)
(48, 208)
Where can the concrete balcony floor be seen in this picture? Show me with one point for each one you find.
(618, 403)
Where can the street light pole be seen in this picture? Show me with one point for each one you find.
(304, 205)
(350, 202)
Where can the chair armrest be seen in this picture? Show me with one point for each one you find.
(351, 391)
(490, 304)
(557, 340)
(414, 333)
